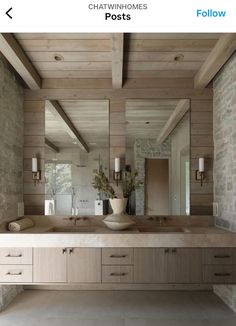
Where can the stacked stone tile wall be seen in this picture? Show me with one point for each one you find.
(11, 156)
(224, 119)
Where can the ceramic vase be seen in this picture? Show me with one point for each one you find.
(118, 220)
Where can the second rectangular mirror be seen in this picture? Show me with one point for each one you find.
(158, 147)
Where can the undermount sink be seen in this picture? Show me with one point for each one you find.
(75, 229)
(163, 229)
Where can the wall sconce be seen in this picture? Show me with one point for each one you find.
(117, 175)
(200, 173)
(36, 174)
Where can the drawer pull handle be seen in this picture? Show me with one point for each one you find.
(12, 273)
(222, 274)
(222, 256)
(167, 251)
(64, 251)
(118, 256)
(71, 250)
(14, 256)
(117, 274)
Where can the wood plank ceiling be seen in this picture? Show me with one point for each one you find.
(90, 55)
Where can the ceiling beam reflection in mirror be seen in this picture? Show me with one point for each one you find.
(51, 146)
(55, 108)
(176, 116)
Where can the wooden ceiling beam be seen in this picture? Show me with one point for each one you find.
(180, 110)
(51, 146)
(56, 109)
(117, 40)
(13, 52)
(221, 52)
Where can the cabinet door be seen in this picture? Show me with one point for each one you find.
(184, 265)
(150, 265)
(167, 265)
(49, 265)
(84, 265)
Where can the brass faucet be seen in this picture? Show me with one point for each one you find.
(74, 219)
(161, 220)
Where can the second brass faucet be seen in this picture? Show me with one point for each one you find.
(74, 219)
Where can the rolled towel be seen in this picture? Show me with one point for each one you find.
(20, 225)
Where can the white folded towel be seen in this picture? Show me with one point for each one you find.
(20, 225)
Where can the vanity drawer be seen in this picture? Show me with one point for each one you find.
(16, 273)
(220, 274)
(219, 256)
(117, 274)
(117, 256)
(16, 256)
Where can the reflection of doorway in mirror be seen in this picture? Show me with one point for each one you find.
(156, 186)
(184, 182)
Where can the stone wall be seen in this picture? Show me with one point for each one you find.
(147, 148)
(11, 153)
(224, 119)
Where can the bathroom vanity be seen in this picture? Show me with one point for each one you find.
(132, 259)
(118, 265)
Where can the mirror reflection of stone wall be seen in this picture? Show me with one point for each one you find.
(161, 158)
(73, 155)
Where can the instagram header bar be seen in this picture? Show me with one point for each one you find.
(118, 16)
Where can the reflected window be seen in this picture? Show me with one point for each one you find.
(58, 178)
(58, 186)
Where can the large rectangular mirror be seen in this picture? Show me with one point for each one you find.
(77, 145)
(158, 148)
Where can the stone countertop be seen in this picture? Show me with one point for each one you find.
(102, 237)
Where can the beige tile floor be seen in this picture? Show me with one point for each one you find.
(117, 308)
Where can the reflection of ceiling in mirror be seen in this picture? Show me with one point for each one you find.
(90, 118)
(147, 118)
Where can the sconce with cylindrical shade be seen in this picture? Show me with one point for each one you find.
(200, 173)
(36, 173)
(117, 175)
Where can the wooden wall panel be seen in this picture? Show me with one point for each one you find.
(34, 133)
(117, 132)
(201, 146)
(117, 136)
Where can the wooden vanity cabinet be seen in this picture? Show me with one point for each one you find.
(150, 265)
(67, 265)
(106, 266)
(219, 265)
(117, 265)
(84, 265)
(15, 265)
(167, 265)
(184, 265)
(49, 265)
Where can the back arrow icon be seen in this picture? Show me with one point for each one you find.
(7, 13)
